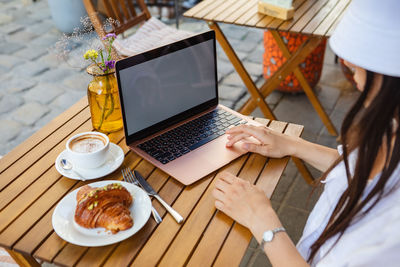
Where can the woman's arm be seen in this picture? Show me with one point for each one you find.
(249, 206)
(277, 145)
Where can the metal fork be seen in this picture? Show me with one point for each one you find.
(130, 178)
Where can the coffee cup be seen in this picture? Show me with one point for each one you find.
(88, 150)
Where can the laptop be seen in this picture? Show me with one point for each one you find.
(170, 109)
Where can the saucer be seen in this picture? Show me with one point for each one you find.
(114, 159)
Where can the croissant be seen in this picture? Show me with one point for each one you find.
(106, 207)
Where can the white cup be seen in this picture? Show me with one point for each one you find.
(88, 150)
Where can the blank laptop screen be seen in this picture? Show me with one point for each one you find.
(158, 89)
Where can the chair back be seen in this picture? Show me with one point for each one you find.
(123, 11)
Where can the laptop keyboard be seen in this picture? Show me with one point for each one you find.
(189, 136)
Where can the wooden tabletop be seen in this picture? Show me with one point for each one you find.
(315, 17)
(31, 187)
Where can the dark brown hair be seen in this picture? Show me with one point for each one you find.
(367, 129)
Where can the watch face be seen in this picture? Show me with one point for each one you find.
(268, 235)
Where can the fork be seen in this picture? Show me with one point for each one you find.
(130, 178)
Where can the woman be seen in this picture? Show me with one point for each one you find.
(356, 221)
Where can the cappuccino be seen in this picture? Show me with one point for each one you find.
(87, 143)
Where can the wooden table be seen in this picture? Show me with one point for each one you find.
(30, 188)
(316, 18)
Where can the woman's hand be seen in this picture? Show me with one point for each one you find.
(244, 202)
(271, 143)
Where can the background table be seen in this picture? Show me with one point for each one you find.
(30, 188)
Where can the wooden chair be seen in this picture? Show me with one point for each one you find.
(153, 32)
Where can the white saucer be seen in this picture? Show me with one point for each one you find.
(114, 159)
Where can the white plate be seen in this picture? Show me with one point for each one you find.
(66, 227)
(115, 157)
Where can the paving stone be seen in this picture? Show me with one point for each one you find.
(235, 80)
(29, 113)
(40, 28)
(227, 103)
(48, 117)
(11, 28)
(31, 52)
(5, 19)
(234, 32)
(221, 55)
(67, 99)
(328, 96)
(43, 93)
(18, 85)
(40, 15)
(297, 109)
(9, 103)
(241, 46)
(302, 195)
(247, 257)
(260, 260)
(55, 75)
(230, 92)
(224, 67)
(8, 48)
(46, 40)
(8, 61)
(293, 220)
(25, 21)
(252, 68)
(329, 56)
(257, 55)
(22, 37)
(78, 82)
(29, 69)
(333, 76)
(254, 37)
(9, 130)
(286, 181)
(52, 60)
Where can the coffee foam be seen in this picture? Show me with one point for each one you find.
(87, 144)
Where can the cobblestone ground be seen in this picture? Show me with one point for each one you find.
(35, 86)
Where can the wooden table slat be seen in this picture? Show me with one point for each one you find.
(206, 10)
(227, 12)
(308, 16)
(199, 7)
(240, 11)
(251, 13)
(297, 15)
(31, 157)
(277, 22)
(189, 201)
(253, 21)
(331, 18)
(219, 10)
(41, 135)
(320, 17)
(333, 27)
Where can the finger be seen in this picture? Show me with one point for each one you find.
(219, 205)
(257, 132)
(260, 149)
(218, 194)
(236, 138)
(227, 177)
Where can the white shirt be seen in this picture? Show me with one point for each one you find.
(372, 241)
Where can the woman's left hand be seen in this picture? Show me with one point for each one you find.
(242, 201)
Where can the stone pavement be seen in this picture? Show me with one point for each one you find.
(36, 86)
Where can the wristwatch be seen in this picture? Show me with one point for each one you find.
(269, 235)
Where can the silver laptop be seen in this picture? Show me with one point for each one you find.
(169, 103)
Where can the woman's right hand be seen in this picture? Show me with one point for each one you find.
(271, 143)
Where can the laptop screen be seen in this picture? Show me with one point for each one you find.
(167, 83)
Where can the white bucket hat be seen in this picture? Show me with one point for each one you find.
(369, 36)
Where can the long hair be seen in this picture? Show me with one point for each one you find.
(366, 130)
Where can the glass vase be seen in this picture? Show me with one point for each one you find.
(104, 101)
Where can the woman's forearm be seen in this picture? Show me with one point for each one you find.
(280, 251)
(320, 157)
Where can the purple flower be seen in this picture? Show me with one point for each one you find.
(110, 64)
(110, 35)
